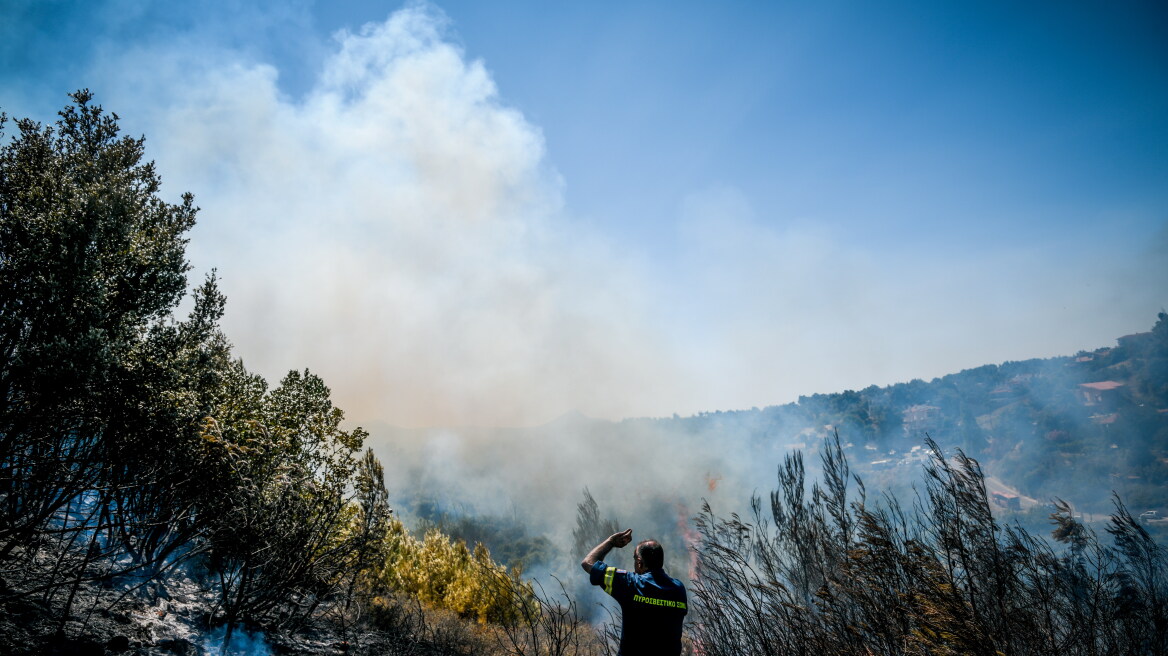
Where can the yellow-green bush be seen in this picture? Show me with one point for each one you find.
(445, 573)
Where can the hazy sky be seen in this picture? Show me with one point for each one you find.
(492, 213)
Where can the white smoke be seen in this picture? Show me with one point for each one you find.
(242, 643)
(399, 230)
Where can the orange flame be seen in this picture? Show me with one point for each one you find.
(690, 537)
(712, 481)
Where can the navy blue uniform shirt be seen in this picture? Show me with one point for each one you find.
(652, 609)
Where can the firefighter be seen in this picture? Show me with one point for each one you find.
(653, 605)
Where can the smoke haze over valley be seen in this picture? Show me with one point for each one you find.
(1078, 428)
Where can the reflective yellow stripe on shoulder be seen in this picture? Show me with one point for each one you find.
(608, 574)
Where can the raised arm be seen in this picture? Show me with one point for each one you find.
(601, 550)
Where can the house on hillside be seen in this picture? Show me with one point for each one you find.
(1002, 394)
(1135, 341)
(921, 419)
(1100, 393)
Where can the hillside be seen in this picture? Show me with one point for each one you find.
(1076, 427)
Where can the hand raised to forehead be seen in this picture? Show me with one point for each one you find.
(621, 539)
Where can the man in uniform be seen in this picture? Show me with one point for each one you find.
(653, 605)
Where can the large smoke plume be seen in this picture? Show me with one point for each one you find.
(401, 230)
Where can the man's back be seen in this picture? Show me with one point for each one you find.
(653, 607)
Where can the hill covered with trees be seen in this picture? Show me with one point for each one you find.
(1075, 427)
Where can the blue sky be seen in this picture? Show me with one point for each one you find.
(493, 213)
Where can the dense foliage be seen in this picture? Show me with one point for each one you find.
(828, 571)
(102, 388)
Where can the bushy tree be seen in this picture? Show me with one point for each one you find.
(446, 573)
(101, 386)
(282, 520)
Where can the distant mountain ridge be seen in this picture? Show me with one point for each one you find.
(1081, 425)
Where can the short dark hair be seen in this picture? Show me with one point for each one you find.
(651, 553)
